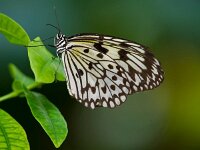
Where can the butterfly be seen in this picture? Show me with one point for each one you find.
(103, 70)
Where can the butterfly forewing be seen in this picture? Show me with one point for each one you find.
(103, 70)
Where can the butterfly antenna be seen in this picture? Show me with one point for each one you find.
(44, 40)
(53, 27)
(58, 27)
(55, 12)
(39, 45)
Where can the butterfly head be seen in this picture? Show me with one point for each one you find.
(60, 42)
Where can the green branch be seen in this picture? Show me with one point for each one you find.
(17, 93)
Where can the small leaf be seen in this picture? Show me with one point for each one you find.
(13, 32)
(48, 116)
(17, 85)
(19, 78)
(59, 70)
(43, 63)
(12, 135)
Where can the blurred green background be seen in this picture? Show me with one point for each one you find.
(165, 118)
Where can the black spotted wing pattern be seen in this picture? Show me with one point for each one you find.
(104, 70)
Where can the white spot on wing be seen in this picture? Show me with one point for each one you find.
(141, 88)
(107, 37)
(117, 101)
(123, 98)
(137, 79)
(139, 63)
(138, 57)
(135, 88)
(134, 66)
(112, 105)
(156, 62)
(148, 81)
(154, 70)
(132, 44)
(153, 77)
(139, 49)
(123, 64)
(119, 40)
(86, 104)
(105, 104)
(92, 105)
(125, 90)
(85, 95)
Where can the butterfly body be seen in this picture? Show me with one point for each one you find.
(104, 70)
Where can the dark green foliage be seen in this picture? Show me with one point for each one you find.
(45, 70)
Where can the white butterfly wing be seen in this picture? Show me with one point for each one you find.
(103, 70)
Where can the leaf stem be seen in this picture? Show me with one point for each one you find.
(16, 93)
(8, 96)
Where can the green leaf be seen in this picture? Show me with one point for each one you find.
(44, 64)
(12, 135)
(13, 32)
(20, 79)
(48, 116)
(60, 75)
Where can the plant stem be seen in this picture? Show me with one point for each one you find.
(16, 93)
(8, 96)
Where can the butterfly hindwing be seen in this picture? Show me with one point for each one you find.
(95, 81)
